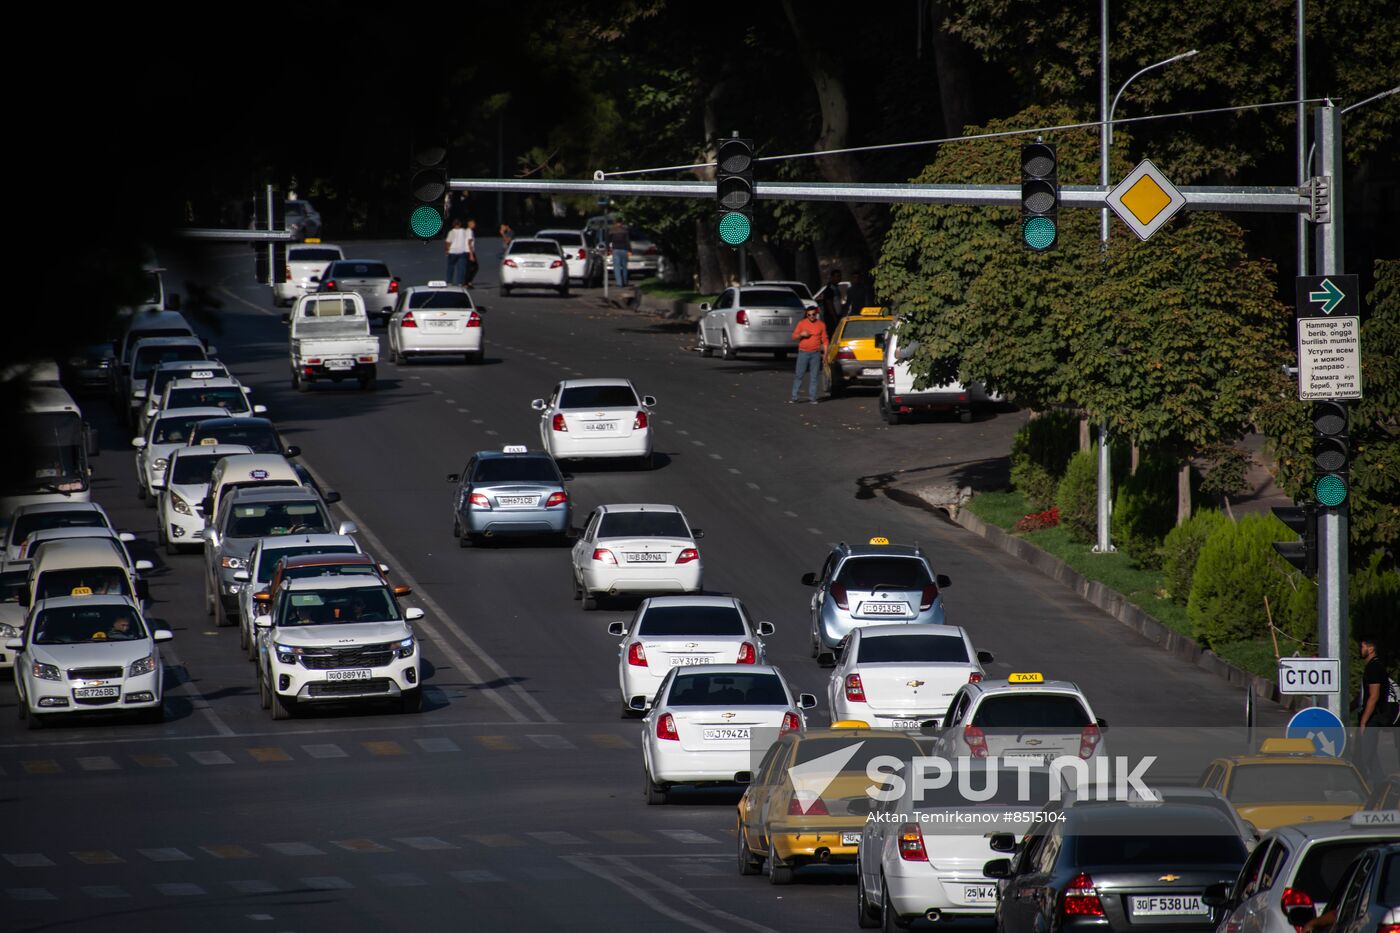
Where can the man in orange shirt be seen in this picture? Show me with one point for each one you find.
(810, 334)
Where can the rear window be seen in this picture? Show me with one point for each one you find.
(1324, 863)
(911, 649)
(312, 254)
(516, 470)
(163, 377)
(1390, 882)
(727, 690)
(174, 430)
(1169, 836)
(226, 397)
(643, 525)
(190, 470)
(896, 573)
(771, 298)
(148, 358)
(259, 436)
(269, 559)
(144, 334)
(360, 270)
(1031, 711)
(1286, 783)
(100, 580)
(26, 525)
(268, 520)
(1007, 792)
(441, 299)
(330, 570)
(564, 239)
(858, 329)
(616, 396)
(866, 751)
(692, 620)
(534, 247)
(329, 307)
(74, 625)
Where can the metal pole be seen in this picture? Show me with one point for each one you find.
(1105, 481)
(272, 247)
(1302, 221)
(743, 265)
(1332, 634)
(500, 165)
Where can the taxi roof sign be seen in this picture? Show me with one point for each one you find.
(80, 591)
(1287, 747)
(312, 239)
(514, 449)
(871, 312)
(1376, 818)
(879, 539)
(437, 283)
(850, 724)
(208, 442)
(1025, 678)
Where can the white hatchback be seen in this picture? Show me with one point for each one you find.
(596, 419)
(306, 263)
(636, 549)
(902, 676)
(436, 320)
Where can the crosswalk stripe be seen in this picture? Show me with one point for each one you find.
(625, 837)
(252, 886)
(104, 890)
(229, 852)
(97, 857)
(475, 876)
(165, 855)
(551, 741)
(98, 763)
(360, 845)
(557, 838)
(179, 889)
(154, 761)
(438, 745)
(497, 743)
(494, 840)
(426, 843)
(294, 848)
(400, 880)
(384, 748)
(268, 753)
(325, 751)
(211, 758)
(28, 860)
(608, 740)
(688, 837)
(41, 766)
(327, 883)
(30, 894)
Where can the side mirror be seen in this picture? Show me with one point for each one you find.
(765, 629)
(286, 317)
(944, 581)
(638, 703)
(1218, 895)
(90, 438)
(125, 537)
(162, 634)
(617, 628)
(809, 579)
(313, 278)
(1002, 842)
(413, 615)
(242, 576)
(262, 622)
(383, 568)
(331, 496)
(1103, 723)
(985, 657)
(697, 533)
(143, 589)
(347, 528)
(743, 777)
(538, 404)
(211, 535)
(259, 409)
(704, 306)
(649, 401)
(14, 644)
(1299, 916)
(879, 341)
(144, 565)
(138, 442)
(860, 806)
(172, 302)
(482, 308)
(138, 393)
(402, 590)
(396, 278)
(262, 596)
(292, 451)
(213, 351)
(454, 477)
(807, 700)
(997, 868)
(22, 598)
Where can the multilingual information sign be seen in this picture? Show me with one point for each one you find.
(1329, 357)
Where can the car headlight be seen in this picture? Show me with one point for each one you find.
(10, 631)
(406, 647)
(232, 563)
(180, 505)
(143, 666)
(160, 464)
(287, 654)
(44, 671)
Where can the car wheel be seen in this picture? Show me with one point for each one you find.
(826, 659)
(464, 539)
(965, 416)
(627, 712)
(140, 490)
(369, 383)
(505, 291)
(264, 691)
(221, 619)
(22, 707)
(563, 291)
(36, 720)
(411, 701)
(867, 918)
(778, 873)
(749, 864)
(889, 920)
(394, 355)
(780, 354)
(889, 412)
(835, 384)
(578, 590)
(705, 349)
(655, 793)
(282, 708)
(726, 350)
(477, 358)
(243, 639)
(647, 462)
(590, 602)
(301, 383)
(252, 646)
(208, 600)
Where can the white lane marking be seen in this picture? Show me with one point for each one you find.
(551, 741)
(437, 745)
(197, 700)
(716, 457)
(430, 629)
(698, 443)
(736, 471)
(753, 486)
(211, 758)
(426, 843)
(680, 430)
(464, 410)
(771, 498)
(815, 531)
(477, 421)
(248, 304)
(688, 837)
(327, 750)
(28, 860)
(294, 848)
(668, 421)
(491, 431)
(617, 865)
(165, 855)
(789, 514)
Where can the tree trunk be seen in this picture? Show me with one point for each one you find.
(1183, 493)
(762, 254)
(1085, 435)
(870, 219)
(709, 273)
(956, 66)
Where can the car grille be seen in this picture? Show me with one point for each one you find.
(96, 701)
(358, 656)
(351, 688)
(94, 673)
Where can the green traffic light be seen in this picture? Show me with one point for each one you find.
(1330, 490)
(734, 228)
(425, 221)
(1039, 232)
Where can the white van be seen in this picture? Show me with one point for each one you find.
(83, 567)
(242, 470)
(899, 399)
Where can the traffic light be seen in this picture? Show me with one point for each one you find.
(1302, 554)
(1330, 485)
(734, 189)
(1040, 197)
(428, 191)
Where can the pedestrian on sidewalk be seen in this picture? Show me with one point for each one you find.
(456, 254)
(810, 334)
(620, 242)
(472, 264)
(507, 234)
(831, 301)
(1376, 710)
(860, 294)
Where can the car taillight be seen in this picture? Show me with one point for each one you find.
(408, 320)
(666, 728)
(1080, 898)
(1388, 928)
(838, 593)
(845, 353)
(330, 286)
(640, 422)
(746, 654)
(556, 498)
(649, 251)
(314, 361)
(855, 690)
(474, 320)
(558, 423)
(1089, 738)
(889, 376)
(604, 555)
(975, 677)
(509, 262)
(364, 359)
(911, 845)
(582, 254)
(556, 264)
(479, 501)
(687, 555)
(814, 806)
(636, 655)
(926, 600)
(289, 273)
(741, 317)
(393, 287)
(791, 723)
(976, 741)
(1297, 897)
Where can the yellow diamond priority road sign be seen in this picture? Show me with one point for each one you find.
(1145, 199)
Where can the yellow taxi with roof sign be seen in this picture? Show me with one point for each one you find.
(1287, 782)
(853, 354)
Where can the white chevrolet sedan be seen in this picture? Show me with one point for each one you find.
(902, 676)
(88, 653)
(711, 723)
(635, 550)
(436, 320)
(168, 431)
(534, 263)
(682, 631)
(180, 502)
(596, 419)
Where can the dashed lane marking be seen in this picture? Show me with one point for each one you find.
(229, 852)
(622, 837)
(41, 766)
(165, 855)
(364, 846)
(154, 761)
(268, 753)
(499, 743)
(98, 857)
(28, 860)
(326, 883)
(211, 758)
(688, 837)
(325, 751)
(475, 876)
(494, 840)
(179, 889)
(437, 745)
(557, 838)
(608, 740)
(551, 741)
(383, 749)
(295, 848)
(425, 843)
(97, 763)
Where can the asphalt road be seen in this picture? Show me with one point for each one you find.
(513, 801)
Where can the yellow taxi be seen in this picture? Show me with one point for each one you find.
(852, 356)
(797, 809)
(1287, 782)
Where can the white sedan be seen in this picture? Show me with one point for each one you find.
(677, 631)
(87, 654)
(596, 418)
(641, 550)
(711, 723)
(180, 502)
(534, 263)
(168, 431)
(436, 320)
(902, 676)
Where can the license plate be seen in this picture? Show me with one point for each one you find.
(1167, 905)
(979, 894)
(685, 660)
(884, 609)
(349, 675)
(92, 693)
(1032, 757)
(517, 500)
(644, 557)
(534, 265)
(908, 723)
(441, 323)
(870, 371)
(339, 364)
(600, 425)
(850, 839)
(774, 322)
(716, 735)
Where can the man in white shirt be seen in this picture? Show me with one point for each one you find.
(472, 264)
(459, 247)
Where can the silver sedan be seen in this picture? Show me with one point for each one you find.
(368, 278)
(749, 319)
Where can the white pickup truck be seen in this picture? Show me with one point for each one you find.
(330, 339)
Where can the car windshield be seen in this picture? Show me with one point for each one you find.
(1006, 793)
(360, 270)
(26, 525)
(1286, 782)
(268, 520)
(445, 299)
(193, 469)
(174, 429)
(269, 558)
(312, 254)
(727, 690)
(1325, 861)
(911, 649)
(148, 358)
(147, 333)
(798, 289)
(692, 620)
(75, 625)
(771, 298)
(339, 606)
(516, 470)
(564, 239)
(230, 398)
(643, 525)
(71, 582)
(614, 396)
(257, 435)
(161, 378)
(864, 329)
(534, 247)
(1031, 711)
(896, 573)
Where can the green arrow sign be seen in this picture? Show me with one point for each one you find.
(1329, 297)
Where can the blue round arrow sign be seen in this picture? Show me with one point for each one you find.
(1321, 725)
